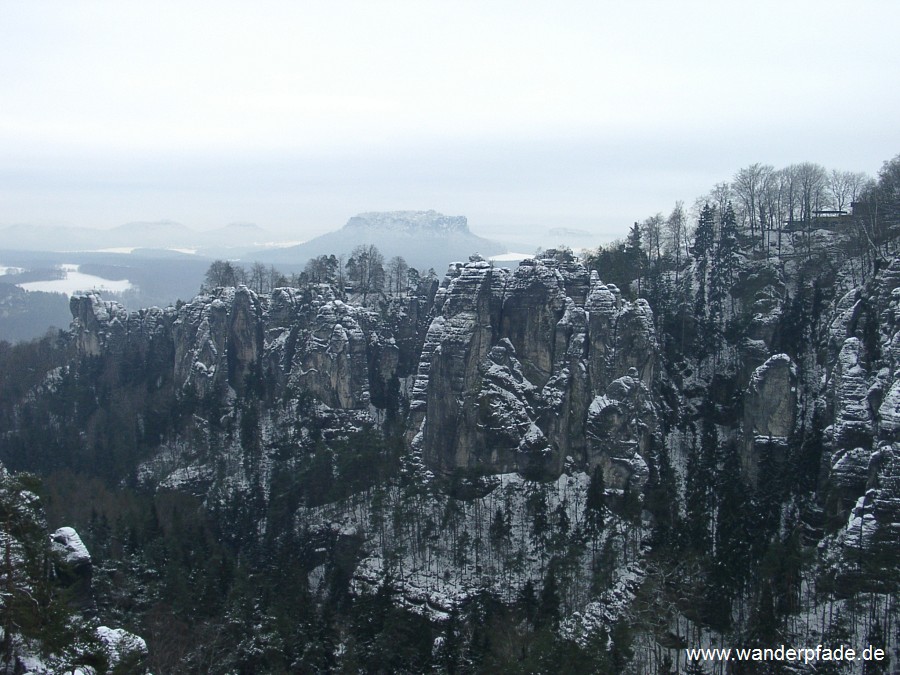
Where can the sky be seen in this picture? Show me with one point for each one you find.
(523, 116)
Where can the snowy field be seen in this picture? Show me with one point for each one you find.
(74, 281)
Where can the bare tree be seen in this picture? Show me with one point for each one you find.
(258, 278)
(813, 182)
(275, 278)
(789, 187)
(397, 269)
(222, 273)
(676, 226)
(342, 273)
(365, 270)
(653, 229)
(748, 185)
(845, 187)
(719, 198)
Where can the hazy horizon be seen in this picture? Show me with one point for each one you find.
(523, 118)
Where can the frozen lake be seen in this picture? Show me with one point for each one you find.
(74, 281)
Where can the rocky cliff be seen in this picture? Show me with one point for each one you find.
(451, 441)
(506, 370)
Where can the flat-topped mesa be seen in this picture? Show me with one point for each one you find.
(414, 222)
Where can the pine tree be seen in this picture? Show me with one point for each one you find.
(694, 668)
(536, 505)
(722, 272)
(634, 253)
(500, 528)
(875, 638)
(699, 495)
(662, 496)
(702, 250)
(728, 247)
(764, 622)
(666, 667)
(527, 601)
(732, 529)
(548, 609)
(595, 503)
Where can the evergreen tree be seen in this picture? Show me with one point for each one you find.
(548, 609)
(666, 667)
(528, 601)
(634, 254)
(662, 496)
(733, 537)
(722, 272)
(702, 250)
(500, 528)
(699, 493)
(875, 638)
(764, 622)
(536, 505)
(595, 503)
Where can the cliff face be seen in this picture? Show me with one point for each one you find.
(512, 362)
(508, 365)
(533, 370)
(863, 398)
(536, 375)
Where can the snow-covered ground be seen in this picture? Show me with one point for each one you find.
(74, 281)
(10, 270)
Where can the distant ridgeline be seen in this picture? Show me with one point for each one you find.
(690, 437)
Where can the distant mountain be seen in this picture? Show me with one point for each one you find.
(28, 237)
(239, 228)
(156, 226)
(129, 237)
(157, 234)
(424, 238)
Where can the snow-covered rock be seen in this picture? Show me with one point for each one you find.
(123, 648)
(67, 542)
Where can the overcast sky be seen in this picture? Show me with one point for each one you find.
(523, 116)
